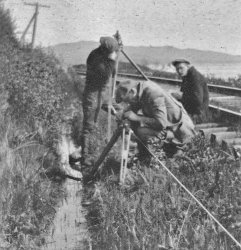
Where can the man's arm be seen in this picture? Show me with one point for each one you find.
(159, 113)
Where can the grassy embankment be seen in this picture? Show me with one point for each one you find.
(33, 96)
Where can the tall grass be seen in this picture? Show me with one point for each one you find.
(33, 93)
(153, 212)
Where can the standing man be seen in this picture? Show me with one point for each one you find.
(195, 96)
(163, 117)
(100, 68)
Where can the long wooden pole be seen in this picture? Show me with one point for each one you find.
(112, 85)
(109, 109)
(115, 76)
(135, 65)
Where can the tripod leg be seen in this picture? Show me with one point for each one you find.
(106, 150)
(109, 110)
(125, 152)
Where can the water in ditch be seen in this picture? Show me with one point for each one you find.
(69, 228)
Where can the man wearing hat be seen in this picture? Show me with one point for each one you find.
(163, 116)
(195, 96)
(100, 68)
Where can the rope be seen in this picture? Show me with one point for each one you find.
(187, 190)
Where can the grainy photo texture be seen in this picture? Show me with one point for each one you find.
(120, 124)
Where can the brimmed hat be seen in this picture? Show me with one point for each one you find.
(109, 43)
(178, 61)
(123, 89)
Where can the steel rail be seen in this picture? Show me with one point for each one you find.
(139, 77)
(224, 110)
(224, 89)
(178, 82)
(213, 87)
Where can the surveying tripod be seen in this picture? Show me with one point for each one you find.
(125, 132)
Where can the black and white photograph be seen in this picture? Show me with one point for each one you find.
(120, 124)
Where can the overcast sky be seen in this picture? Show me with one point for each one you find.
(202, 24)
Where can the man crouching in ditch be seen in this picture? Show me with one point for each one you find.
(163, 117)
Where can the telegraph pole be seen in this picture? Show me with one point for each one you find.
(35, 24)
(33, 20)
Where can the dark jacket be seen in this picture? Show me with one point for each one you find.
(99, 70)
(195, 97)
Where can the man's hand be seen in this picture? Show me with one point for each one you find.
(177, 95)
(130, 115)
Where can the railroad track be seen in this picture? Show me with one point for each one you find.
(223, 100)
(175, 82)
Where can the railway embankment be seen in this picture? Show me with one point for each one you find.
(35, 93)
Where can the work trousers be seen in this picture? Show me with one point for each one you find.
(92, 101)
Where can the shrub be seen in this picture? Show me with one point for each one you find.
(231, 82)
(34, 85)
(7, 27)
(32, 93)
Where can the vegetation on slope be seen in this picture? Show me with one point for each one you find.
(34, 91)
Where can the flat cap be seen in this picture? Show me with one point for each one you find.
(109, 43)
(124, 88)
(177, 61)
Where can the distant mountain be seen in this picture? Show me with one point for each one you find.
(76, 53)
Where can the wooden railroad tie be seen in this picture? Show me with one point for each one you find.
(219, 133)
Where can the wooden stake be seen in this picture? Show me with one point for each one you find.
(124, 154)
(109, 109)
(115, 77)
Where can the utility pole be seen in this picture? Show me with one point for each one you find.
(33, 20)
